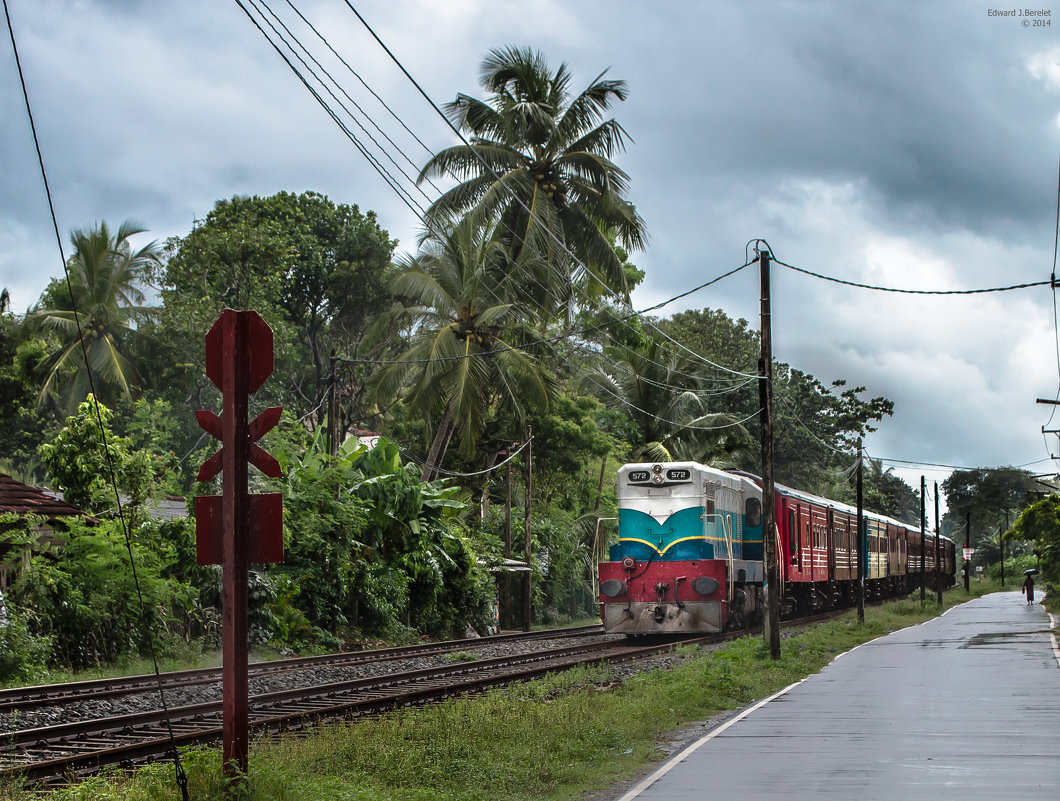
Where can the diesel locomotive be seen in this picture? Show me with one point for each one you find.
(689, 556)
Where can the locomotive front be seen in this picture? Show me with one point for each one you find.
(688, 558)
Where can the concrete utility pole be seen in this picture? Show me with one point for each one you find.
(967, 545)
(938, 550)
(861, 540)
(1002, 544)
(923, 540)
(769, 510)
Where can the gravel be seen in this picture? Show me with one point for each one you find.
(70, 712)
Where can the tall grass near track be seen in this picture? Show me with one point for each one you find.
(550, 739)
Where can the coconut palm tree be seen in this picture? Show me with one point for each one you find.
(102, 306)
(540, 160)
(659, 391)
(463, 360)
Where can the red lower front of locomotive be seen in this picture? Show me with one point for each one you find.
(671, 597)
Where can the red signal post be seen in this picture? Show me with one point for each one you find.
(236, 528)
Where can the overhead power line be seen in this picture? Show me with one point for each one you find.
(911, 291)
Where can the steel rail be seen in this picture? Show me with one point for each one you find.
(24, 698)
(48, 754)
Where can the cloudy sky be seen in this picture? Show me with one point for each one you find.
(910, 145)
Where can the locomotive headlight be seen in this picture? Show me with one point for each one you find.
(656, 479)
(656, 468)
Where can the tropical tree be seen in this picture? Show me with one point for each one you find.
(1040, 524)
(317, 271)
(464, 357)
(540, 161)
(667, 404)
(97, 315)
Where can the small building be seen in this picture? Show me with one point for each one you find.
(24, 500)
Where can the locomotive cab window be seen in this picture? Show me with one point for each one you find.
(753, 512)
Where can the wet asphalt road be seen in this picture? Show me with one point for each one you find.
(966, 706)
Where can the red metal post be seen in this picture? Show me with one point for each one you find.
(237, 527)
(236, 444)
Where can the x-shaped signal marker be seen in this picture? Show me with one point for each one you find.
(258, 457)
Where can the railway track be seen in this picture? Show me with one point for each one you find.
(57, 753)
(22, 699)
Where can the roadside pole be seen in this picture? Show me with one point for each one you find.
(236, 528)
(938, 551)
(528, 579)
(923, 541)
(861, 541)
(769, 526)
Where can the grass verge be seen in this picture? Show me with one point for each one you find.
(551, 739)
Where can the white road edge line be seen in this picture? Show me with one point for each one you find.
(676, 759)
(680, 757)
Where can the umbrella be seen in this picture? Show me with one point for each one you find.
(1030, 572)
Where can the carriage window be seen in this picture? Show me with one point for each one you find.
(753, 512)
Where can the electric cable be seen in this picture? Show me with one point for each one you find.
(292, 36)
(383, 173)
(910, 291)
(181, 776)
(546, 229)
(455, 474)
(421, 215)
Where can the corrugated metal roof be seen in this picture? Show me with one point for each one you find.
(26, 500)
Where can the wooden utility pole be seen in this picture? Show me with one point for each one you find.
(1001, 542)
(506, 619)
(923, 540)
(333, 410)
(769, 510)
(938, 550)
(861, 537)
(527, 581)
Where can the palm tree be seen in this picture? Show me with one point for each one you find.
(540, 161)
(105, 301)
(463, 361)
(659, 392)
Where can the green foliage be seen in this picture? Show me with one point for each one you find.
(988, 499)
(24, 655)
(97, 317)
(82, 457)
(464, 362)
(554, 151)
(1040, 523)
(316, 271)
(369, 546)
(82, 593)
(23, 425)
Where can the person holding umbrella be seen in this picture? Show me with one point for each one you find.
(1028, 585)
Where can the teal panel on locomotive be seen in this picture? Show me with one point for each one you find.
(686, 534)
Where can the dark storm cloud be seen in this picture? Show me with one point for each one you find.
(932, 105)
(895, 143)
